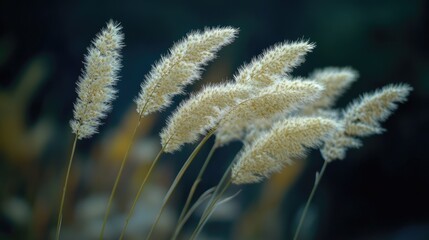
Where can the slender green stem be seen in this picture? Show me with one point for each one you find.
(178, 178)
(60, 214)
(307, 205)
(212, 201)
(221, 182)
(210, 209)
(197, 181)
(124, 229)
(192, 191)
(118, 176)
(206, 195)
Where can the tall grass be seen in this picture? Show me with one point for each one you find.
(277, 117)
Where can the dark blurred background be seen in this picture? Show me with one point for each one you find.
(380, 191)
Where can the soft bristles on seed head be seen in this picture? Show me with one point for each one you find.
(95, 87)
(335, 146)
(181, 67)
(288, 139)
(200, 113)
(335, 81)
(362, 118)
(280, 97)
(373, 108)
(258, 127)
(274, 62)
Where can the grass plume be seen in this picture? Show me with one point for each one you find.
(276, 61)
(180, 67)
(362, 118)
(287, 140)
(201, 113)
(95, 90)
(95, 87)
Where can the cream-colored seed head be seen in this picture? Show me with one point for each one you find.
(281, 97)
(274, 62)
(362, 118)
(335, 81)
(200, 113)
(95, 87)
(335, 146)
(287, 140)
(372, 108)
(258, 127)
(180, 67)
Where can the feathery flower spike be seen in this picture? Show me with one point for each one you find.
(180, 67)
(200, 113)
(335, 81)
(281, 97)
(95, 87)
(274, 62)
(362, 118)
(288, 139)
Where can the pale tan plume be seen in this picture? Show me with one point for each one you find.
(287, 140)
(282, 97)
(180, 67)
(273, 63)
(362, 118)
(95, 87)
(200, 113)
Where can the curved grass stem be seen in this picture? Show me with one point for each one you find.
(178, 178)
(130, 214)
(307, 205)
(197, 181)
(210, 208)
(192, 191)
(118, 176)
(60, 213)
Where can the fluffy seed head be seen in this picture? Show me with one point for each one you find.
(288, 139)
(362, 118)
(335, 81)
(335, 146)
(281, 97)
(180, 67)
(375, 107)
(95, 88)
(274, 62)
(258, 127)
(200, 113)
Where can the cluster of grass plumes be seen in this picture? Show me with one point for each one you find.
(277, 117)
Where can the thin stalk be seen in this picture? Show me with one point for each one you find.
(316, 184)
(118, 176)
(60, 214)
(178, 178)
(141, 114)
(206, 195)
(225, 175)
(192, 191)
(209, 209)
(197, 181)
(213, 198)
(140, 191)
